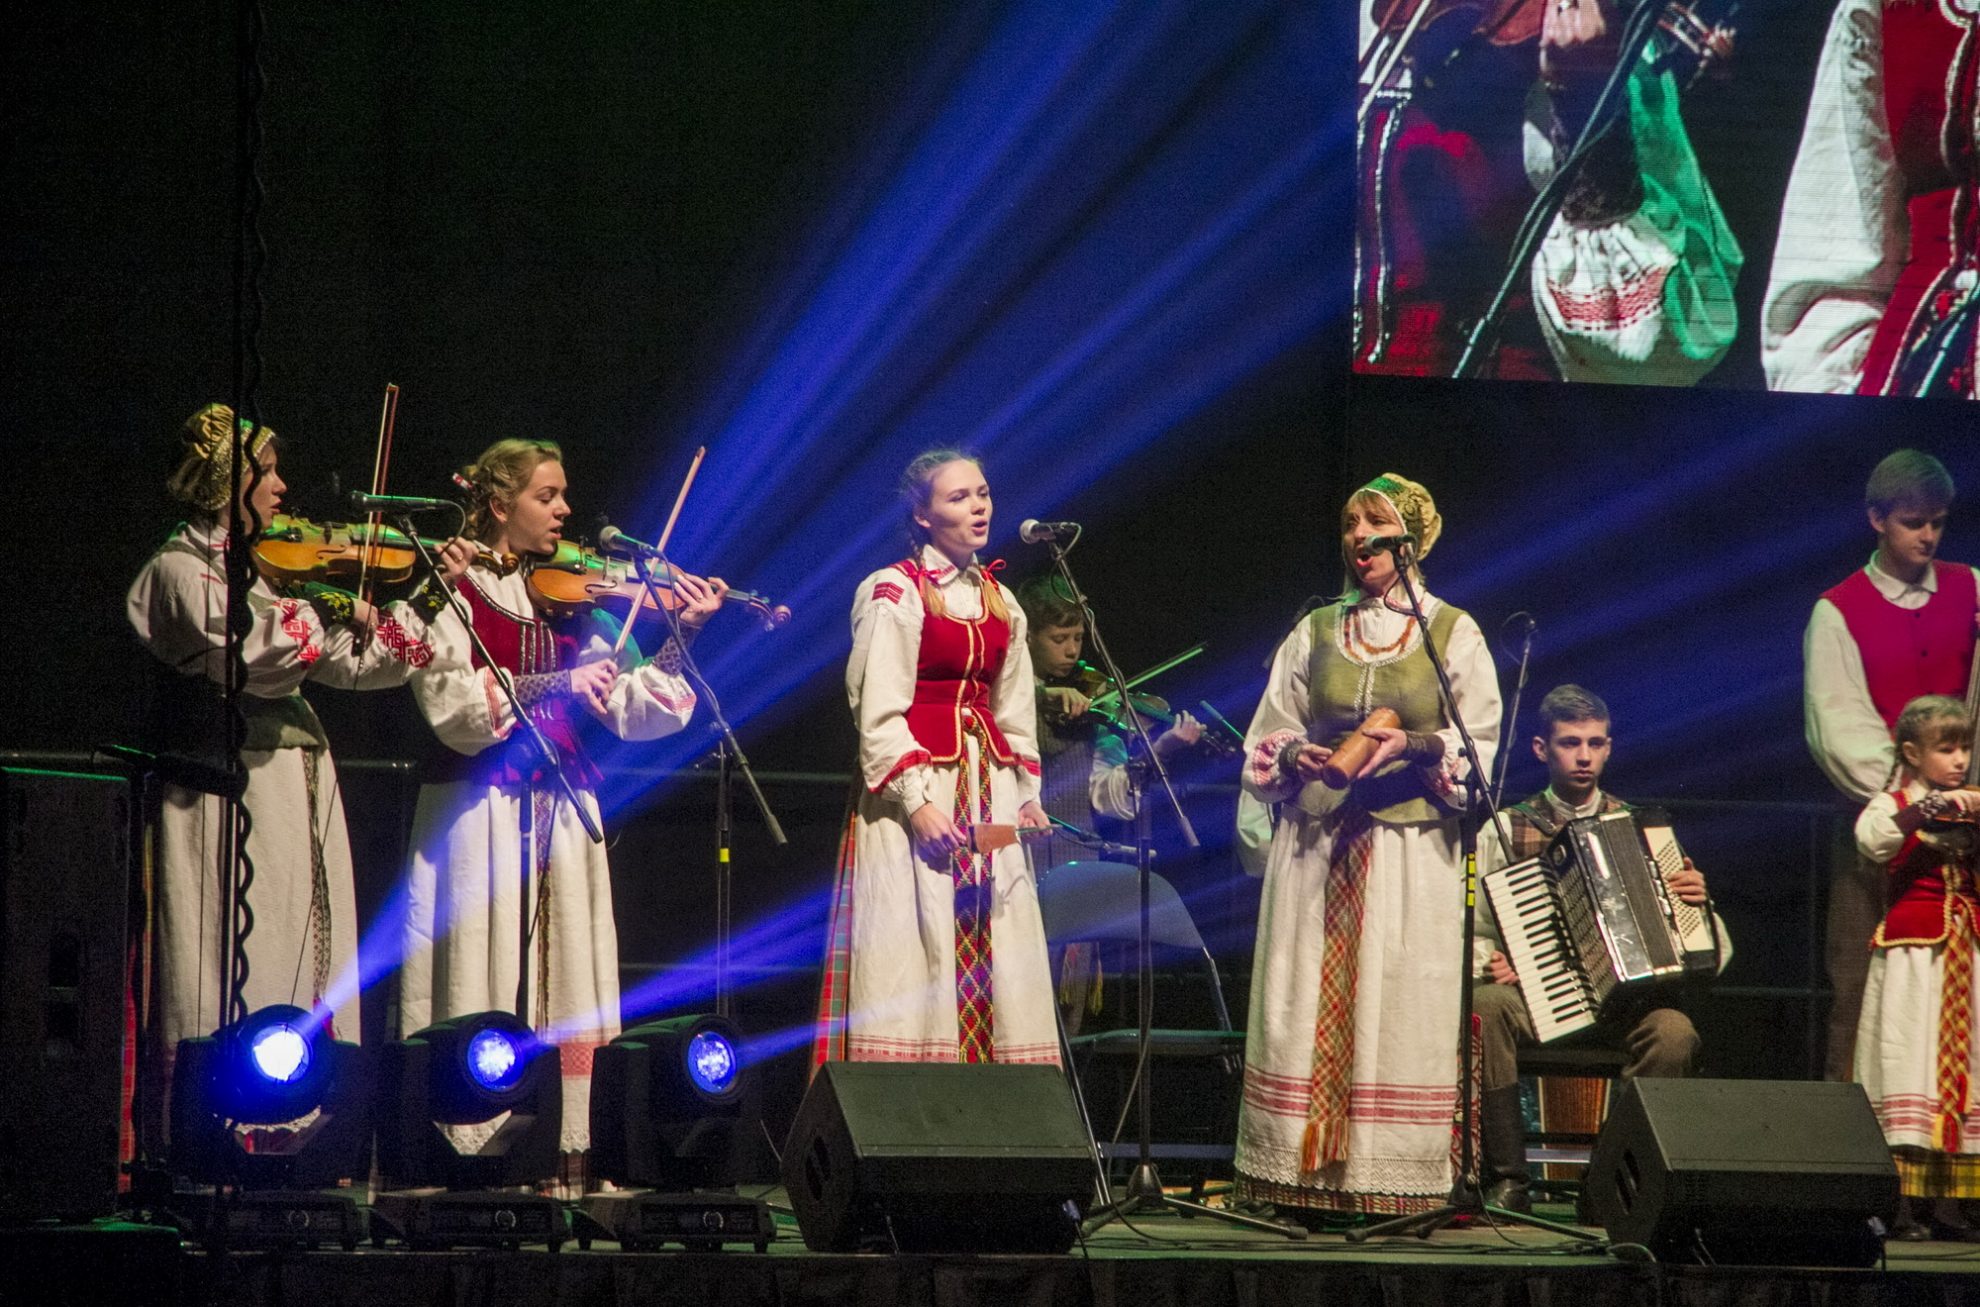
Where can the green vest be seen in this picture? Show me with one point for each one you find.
(1343, 692)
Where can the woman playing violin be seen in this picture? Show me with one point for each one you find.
(462, 916)
(938, 951)
(303, 946)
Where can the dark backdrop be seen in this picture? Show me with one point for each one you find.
(564, 221)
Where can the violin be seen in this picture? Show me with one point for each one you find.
(1104, 705)
(577, 578)
(294, 549)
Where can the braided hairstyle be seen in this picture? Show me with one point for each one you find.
(499, 476)
(917, 489)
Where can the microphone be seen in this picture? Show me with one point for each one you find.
(1034, 532)
(178, 769)
(1519, 626)
(360, 502)
(612, 540)
(1389, 544)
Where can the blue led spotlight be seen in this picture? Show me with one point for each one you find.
(465, 1071)
(272, 1066)
(673, 1106)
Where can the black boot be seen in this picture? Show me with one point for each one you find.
(1502, 1132)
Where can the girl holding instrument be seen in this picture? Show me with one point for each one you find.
(463, 914)
(1351, 1071)
(937, 950)
(1916, 1054)
(304, 933)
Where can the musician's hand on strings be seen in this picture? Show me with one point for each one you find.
(454, 558)
(1500, 969)
(1065, 704)
(1032, 817)
(936, 839)
(1688, 883)
(704, 597)
(1185, 731)
(591, 685)
(1577, 42)
(1309, 759)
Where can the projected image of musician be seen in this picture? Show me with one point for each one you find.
(1351, 1069)
(1900, 626)
(1462, 121)
(1575, 743)
(1873, 283)
(1915, 1051)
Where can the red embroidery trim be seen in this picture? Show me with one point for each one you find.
(1611, 307)
(912, 758)
(296, 627)
(413, 653)
(887, 591)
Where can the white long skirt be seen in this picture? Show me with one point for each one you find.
(1897, 1045)
(462, 932)
(901, 982)
(1403, 1089)
(300, 935)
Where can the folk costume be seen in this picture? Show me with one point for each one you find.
(1916, 1054)
(303, 945)
(1874, 643)
(1634, 279)
(462, 929)
(1351, 1070)
(1873, 275)
(938, 963)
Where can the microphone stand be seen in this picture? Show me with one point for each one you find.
(1498, 794)
(1144, 1187)
(545, 751)
(727, 748)
(1466, 1197)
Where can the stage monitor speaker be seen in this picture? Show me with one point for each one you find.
(938, 1157)
(1775, 1172)
(65, 843)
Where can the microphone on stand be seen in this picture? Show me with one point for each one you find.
(1389, 544)
(1520, 626)
(1034, 532)
(361, 502)
(614, 541)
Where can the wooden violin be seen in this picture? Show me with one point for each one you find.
(577, 578)
(294, 549)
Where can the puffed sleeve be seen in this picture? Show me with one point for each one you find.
(886, 628)
(461, 702)
(1843, 231)
(1845, 732)
(178, 608)
(650, 698)
(392, 653)
(1014, 701)
(1280, 722)
(1877, 835)
(1107, 787)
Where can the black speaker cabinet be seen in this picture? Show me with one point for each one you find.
(65, 844)
(1774, 1172)
(937, 1157)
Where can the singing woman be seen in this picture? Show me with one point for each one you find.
(1351, 1068)
(938, 951)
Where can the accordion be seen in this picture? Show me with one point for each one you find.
(1592, 916)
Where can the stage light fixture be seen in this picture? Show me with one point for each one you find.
(670, 1102)
(469, 1070)
(277, 1067)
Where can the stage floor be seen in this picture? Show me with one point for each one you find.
(1162, 1258)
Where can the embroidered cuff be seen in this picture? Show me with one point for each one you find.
(668, 657)
(532, 690)
(1424, 748)
(429, 603)
(910, 788)
(330, 603)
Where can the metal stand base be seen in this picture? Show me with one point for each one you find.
(1465, 1202)
(1144, 1194)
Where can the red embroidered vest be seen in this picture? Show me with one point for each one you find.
(1920, 906)
(958, 663)
(1911, 652)
(522, 645)
(1929, 99)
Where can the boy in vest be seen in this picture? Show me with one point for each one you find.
(1901, 627)
(1660, 1040)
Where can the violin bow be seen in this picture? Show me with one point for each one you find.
(666, 534)
(381, 461)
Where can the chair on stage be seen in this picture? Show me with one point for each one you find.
(1100, 902)
(1573, 1085)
